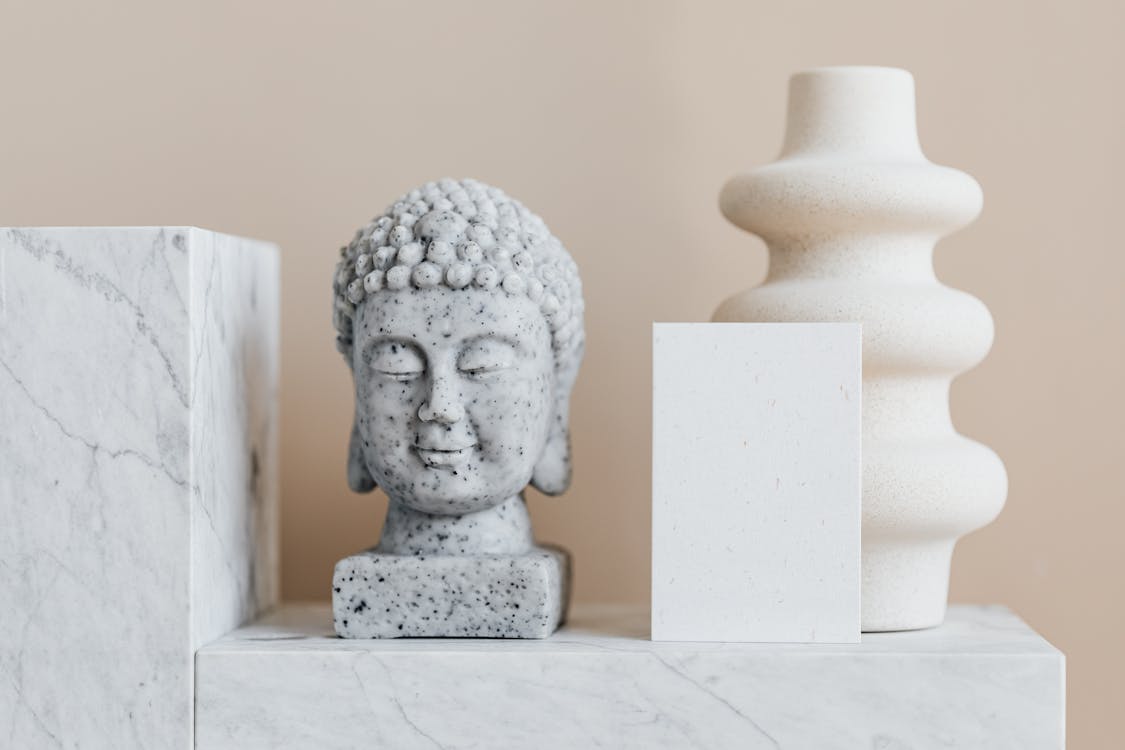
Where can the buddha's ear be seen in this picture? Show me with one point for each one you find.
(551, 475)
(359, 478)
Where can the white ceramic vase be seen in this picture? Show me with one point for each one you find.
(850, 212)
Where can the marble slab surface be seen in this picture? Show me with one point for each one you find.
(138, 493)
(756, 482)
(984, 679)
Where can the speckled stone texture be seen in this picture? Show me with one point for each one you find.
(460, 316)
(484, 596)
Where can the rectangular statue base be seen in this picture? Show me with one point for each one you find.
(489, 596)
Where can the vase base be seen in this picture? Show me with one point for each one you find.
(905, 586)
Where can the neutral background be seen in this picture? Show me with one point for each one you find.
(297, 122)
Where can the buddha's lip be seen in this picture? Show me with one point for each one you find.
(443, 457)
(435, 449)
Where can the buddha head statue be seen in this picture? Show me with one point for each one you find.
(460, 316)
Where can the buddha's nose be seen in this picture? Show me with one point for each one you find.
(443, 404)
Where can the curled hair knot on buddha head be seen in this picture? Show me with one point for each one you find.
(460, 234)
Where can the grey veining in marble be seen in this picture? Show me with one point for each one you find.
(138, 369)
(460, 316)
(235, 320)
(982, 680)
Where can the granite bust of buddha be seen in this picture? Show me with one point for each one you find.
(460, 316)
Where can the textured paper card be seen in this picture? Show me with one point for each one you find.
(756, 482)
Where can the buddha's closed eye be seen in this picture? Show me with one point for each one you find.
(397, 360)
(485, 356)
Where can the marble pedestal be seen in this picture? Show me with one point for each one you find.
(982, 680)
(488, 596)
(138, 492)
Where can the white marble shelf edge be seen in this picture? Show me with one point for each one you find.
(984, 679)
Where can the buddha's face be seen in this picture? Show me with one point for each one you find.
(454, 394)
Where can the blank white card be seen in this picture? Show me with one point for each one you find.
(756, 482)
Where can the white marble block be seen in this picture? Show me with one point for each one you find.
(983, 680)
(756, 482)
(138, 491)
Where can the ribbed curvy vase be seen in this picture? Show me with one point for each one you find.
(850, 212)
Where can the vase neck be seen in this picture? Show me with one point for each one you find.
(852, 112)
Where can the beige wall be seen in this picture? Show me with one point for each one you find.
(297, 122)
